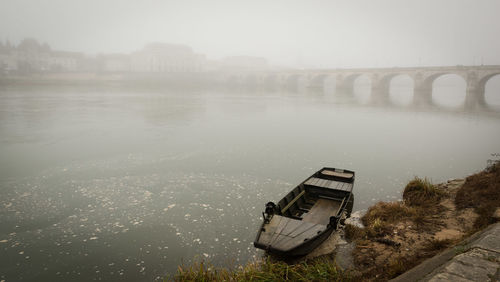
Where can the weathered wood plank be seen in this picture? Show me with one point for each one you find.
(293, 201)
(321, 211)
(337, 173)
(332, 184)
(287, 243)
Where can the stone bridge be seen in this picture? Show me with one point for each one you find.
(423, 78)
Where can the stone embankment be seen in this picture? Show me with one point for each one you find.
(475, 259)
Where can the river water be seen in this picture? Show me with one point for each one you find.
(110, 183)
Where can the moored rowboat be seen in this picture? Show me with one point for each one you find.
(308, 214)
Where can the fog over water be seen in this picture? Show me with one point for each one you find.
(119, 184)
(159, 143)
(316, 33)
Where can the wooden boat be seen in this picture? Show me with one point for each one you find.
(307, 215)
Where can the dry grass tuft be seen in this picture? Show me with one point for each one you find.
(386, 212)
(437, 245)
(421, 192)
(379, 218)
(353, 233)
(481, 191)
(397, 266)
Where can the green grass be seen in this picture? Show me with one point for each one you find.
(320, 269)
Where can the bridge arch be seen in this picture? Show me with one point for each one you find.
(489, 95)
(361, 87)
(448, 89)
(318, 81)
(429, 80)
(400, 89)
(296, 81)
(346, 85)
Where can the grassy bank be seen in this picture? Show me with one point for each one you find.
(397, 235)
(320, 269)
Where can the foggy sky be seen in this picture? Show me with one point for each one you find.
(307, 33)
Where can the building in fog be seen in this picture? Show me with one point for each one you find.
(114, 63)
(61, 61)
(7, 63)
(29, 56)
(163, 57)
(243, 63)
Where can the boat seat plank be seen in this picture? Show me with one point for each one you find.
(331, 184)
(337, 173)
(321, 212)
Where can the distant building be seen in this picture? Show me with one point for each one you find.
(115, 62)
(7, 61)
(163, 57)
(60, 61)
(244, 63)
(32, 57)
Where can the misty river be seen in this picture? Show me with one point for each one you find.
(114, 183)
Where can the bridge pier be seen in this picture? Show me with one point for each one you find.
(344, 86)
(474, 95)
(380, 91)
(422, 92)
(316, 83)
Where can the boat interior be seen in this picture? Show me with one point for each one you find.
(305, 212)
(318, 198)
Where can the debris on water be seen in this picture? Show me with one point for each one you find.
(169, 207)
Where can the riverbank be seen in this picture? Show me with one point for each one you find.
(396, 236)
(430, 219)
(185, 80)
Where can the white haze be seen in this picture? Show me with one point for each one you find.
(307, 33)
